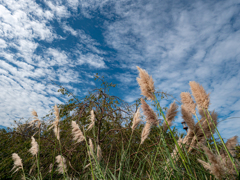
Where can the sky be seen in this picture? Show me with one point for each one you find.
(175, 41)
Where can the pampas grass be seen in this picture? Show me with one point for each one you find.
(145, 132)
(50, 168)
(231, 144)
(34, 148)
(201, 97)
(165, 155)
(216, 167)
(77, 133)
(146, 84)
(151, 116)
(35, 119)
(62, 167)
(187, 117)
(92, 119)
(99, 153)
(91, 147)
(136, 119)
(188, 102)
(171, 113)
(55, 124)
(17, 162)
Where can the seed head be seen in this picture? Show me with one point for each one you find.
(34, 149)
(77, 133)
(136, 119)
(62, 167)
(17, 162)
(151, 116)
(146, 84)
(188, 102)
(201, 97)
(145, 132)
(92, 118)
(171, 113)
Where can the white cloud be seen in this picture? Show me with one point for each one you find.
(18, 23)
(66, 75)
(181, 42)
(2, 44)
(91, 59)
(22, 23)
(68, 28)
(58, 8)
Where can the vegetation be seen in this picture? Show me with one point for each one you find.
(103, 137)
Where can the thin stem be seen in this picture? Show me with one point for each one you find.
(176, 143)
(62, 159)
(53, 160)
(230, 157)
(38, 155)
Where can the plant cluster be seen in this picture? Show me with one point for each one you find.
(106, 138)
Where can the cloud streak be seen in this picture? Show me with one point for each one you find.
(175, 41)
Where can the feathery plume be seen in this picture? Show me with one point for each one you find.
(77, 133)
(99, 153)
(231, 144)
(212, 158)
(146, 84)
(33, 166)
(216, 167)
(17, 162)
(175, 151)
(201, 98)
(62, 167)
(92, 118)
(205, 124)
(34, 113)
(91, 147)
(50, 168)
(207, 166)
(56, 112)
(149, 113)
(187, 116)
(145, 132)
(201, 112)
(188, 102)
(171, 113)
(34, 149)
(208, 130)
(214, 116)
(136, 119)
(35, 119)
(55, 124)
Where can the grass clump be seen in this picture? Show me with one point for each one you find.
(106, 138)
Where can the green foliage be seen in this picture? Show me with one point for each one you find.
(123, 156)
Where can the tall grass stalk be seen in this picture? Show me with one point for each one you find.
(203, 134)
(175, 141)
(53, 160)
(230, 157)
(38, 155)
(64, 171)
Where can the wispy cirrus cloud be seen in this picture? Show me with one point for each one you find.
(175, 41)
(27, 61)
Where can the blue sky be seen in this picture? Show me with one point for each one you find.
(70, 41)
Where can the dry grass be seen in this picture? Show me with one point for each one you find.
(77, 133)
(171, 114)
(146, 84)
(136, 119)
(220, 165)
(92, 119)
(61, 161)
